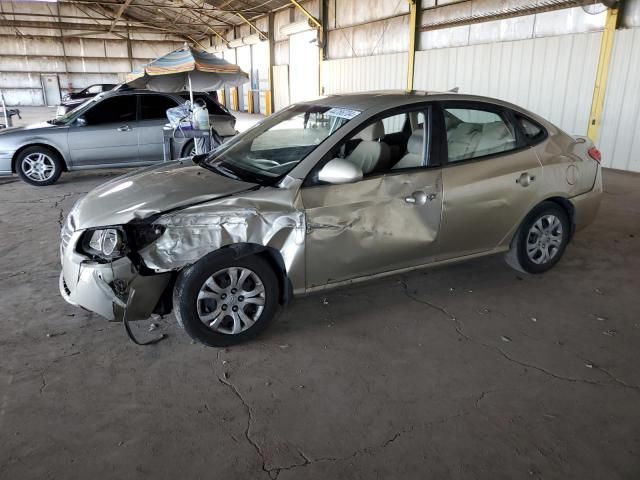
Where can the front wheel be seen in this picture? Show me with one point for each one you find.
(541, 239)
(222, 301)
(39, 166)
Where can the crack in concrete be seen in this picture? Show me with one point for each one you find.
(272, 473)
(460, 331)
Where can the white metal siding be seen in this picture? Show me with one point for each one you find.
(280, 87)
(620, 132)
(360, 74)
(552, 76)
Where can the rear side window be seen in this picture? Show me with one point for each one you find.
(474, 133)
(531, 130)
(154, 107)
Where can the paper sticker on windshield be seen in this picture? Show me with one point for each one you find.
(343, 113)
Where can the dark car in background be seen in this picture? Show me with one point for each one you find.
(90, 91)
(74, 100)
(111, 130)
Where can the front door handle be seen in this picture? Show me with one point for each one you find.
(525, 179)
(420, 198)
(124, 128)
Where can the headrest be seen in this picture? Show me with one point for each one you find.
(415, 142)
(497, 130)
(373, 132)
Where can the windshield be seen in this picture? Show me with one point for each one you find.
(73, 114)
(274, 147)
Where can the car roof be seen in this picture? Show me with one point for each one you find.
(387, 99)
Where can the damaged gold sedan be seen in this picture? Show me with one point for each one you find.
(323, 194)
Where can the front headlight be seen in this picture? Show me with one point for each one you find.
(104, 243)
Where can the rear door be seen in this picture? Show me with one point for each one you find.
(153, 117)
(110, 135)
(491, 177)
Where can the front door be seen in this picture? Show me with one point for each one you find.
(108, 135)
(376, 225)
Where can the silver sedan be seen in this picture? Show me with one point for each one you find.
(323, 194)
(111, 130)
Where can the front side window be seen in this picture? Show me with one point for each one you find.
(392, 143)
(112, 110)
(94, 89)
(274, 147)
(474, 133)
(154, 107)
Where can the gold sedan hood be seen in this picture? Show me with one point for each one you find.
(150, 191)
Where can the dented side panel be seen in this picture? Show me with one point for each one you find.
(484, 201)
(370, 227)
(267, 217)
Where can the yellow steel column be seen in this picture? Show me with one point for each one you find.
(250, 101)
(268, 99)
(223, 97)
(413, 26)
(602, 74)
(234, 99)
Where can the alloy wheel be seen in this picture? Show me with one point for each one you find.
(544, 239)
(39, 167)
(231, 300)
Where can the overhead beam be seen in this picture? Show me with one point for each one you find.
(211, 8)
(106, 20)
(306, 13)
(90, 27)
(119, 13)
(529, 9)
(253, 26)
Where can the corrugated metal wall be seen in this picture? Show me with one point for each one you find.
(552, 76)
(77, 61)
(620, 132)
(280, 87)
(380, 72)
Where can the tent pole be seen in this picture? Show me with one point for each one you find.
(195, 140)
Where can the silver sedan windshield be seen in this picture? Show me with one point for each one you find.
(275, 146)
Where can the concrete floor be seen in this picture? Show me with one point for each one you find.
(469, 371)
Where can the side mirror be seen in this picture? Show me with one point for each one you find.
(81, 121)
(339, 171)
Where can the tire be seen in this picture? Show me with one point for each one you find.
(541, 239)
(213, 311)
(189, 149)
(39, 166)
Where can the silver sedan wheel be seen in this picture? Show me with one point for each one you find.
(231, 300)
(39, 167)
(544, 239)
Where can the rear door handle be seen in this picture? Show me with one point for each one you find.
(124, 128)
(420, 198)
(525, 179)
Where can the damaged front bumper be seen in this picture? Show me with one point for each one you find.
(104, 288)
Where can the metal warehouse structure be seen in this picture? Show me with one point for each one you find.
(575, 63)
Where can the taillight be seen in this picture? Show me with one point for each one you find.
(595, 154)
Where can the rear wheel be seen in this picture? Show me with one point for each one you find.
(189, 149)
(39, 166)
(541, 239)
(222, 301)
